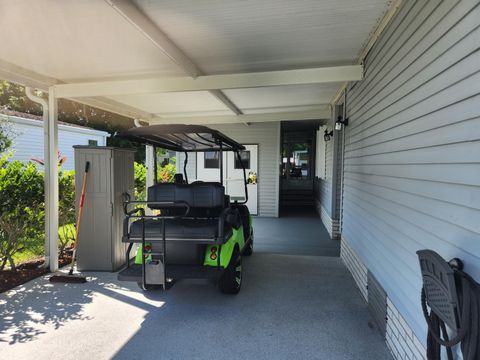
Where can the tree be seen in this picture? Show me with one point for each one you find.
(5, 140)
(13, 97)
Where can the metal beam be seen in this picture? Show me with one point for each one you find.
(246, 118)
(145, 25)
(211, 82)
(28, 78)
(20, 75)
(150, 30)
(226, 101)
(115, 107)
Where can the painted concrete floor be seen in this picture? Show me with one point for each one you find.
(290, 307)
(298, 232)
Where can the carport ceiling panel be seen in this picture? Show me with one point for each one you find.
(240, 36)
(280, 97)
(77, 40)
(170, 103)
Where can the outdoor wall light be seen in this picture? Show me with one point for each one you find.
(327, 135)
(340, 123)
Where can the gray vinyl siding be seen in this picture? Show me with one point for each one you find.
(412, 153)
(267, 136)
(28, 138)
(191, 165)
(326, 184)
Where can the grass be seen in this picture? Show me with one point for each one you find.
(38, 250)
(26, 255)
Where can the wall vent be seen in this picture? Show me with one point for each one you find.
(377, 303)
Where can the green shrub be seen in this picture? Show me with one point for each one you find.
(140, 180)
(166, 174)
(66, 209)
(22, 216)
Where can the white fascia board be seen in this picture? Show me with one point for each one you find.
(250, 118)
(115, 107)
(211, 82)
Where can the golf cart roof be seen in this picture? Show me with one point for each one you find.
(190, 138)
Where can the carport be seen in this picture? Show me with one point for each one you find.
(394, 87)
(178, 62)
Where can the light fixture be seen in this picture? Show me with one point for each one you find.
(327, 135)
(340, 123)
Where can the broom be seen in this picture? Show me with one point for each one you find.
(70, 278)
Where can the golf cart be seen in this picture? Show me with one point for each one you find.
(186, 230)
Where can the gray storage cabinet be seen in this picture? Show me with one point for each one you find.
(111, 174)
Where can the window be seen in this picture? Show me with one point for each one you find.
(93, 142)
(245, 156)
(211, 160)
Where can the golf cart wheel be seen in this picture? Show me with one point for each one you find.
(231, 279)
(249, 248)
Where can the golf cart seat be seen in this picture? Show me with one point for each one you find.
(208, 219)
(177, 229)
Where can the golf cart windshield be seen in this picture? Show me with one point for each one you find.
(187, 138)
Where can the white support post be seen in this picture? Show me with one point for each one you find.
(51, 181)
(149, 161)
(44, 104)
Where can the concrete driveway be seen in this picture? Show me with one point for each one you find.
(290, 307)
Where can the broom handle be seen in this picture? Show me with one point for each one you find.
(80, 212)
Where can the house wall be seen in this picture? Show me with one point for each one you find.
(27, 139)
(267, 136)
(324, 201)
(412, 174)
(320, 154)
(191, 165)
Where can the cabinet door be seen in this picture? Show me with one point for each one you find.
(122, 181)
(94, 238)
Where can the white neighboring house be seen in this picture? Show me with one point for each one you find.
(27, 137)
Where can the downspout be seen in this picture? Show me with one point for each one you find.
(44, 104)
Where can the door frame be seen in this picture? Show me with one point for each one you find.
(225, 170)
(258, 171)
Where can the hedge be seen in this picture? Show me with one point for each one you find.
(22, 207)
